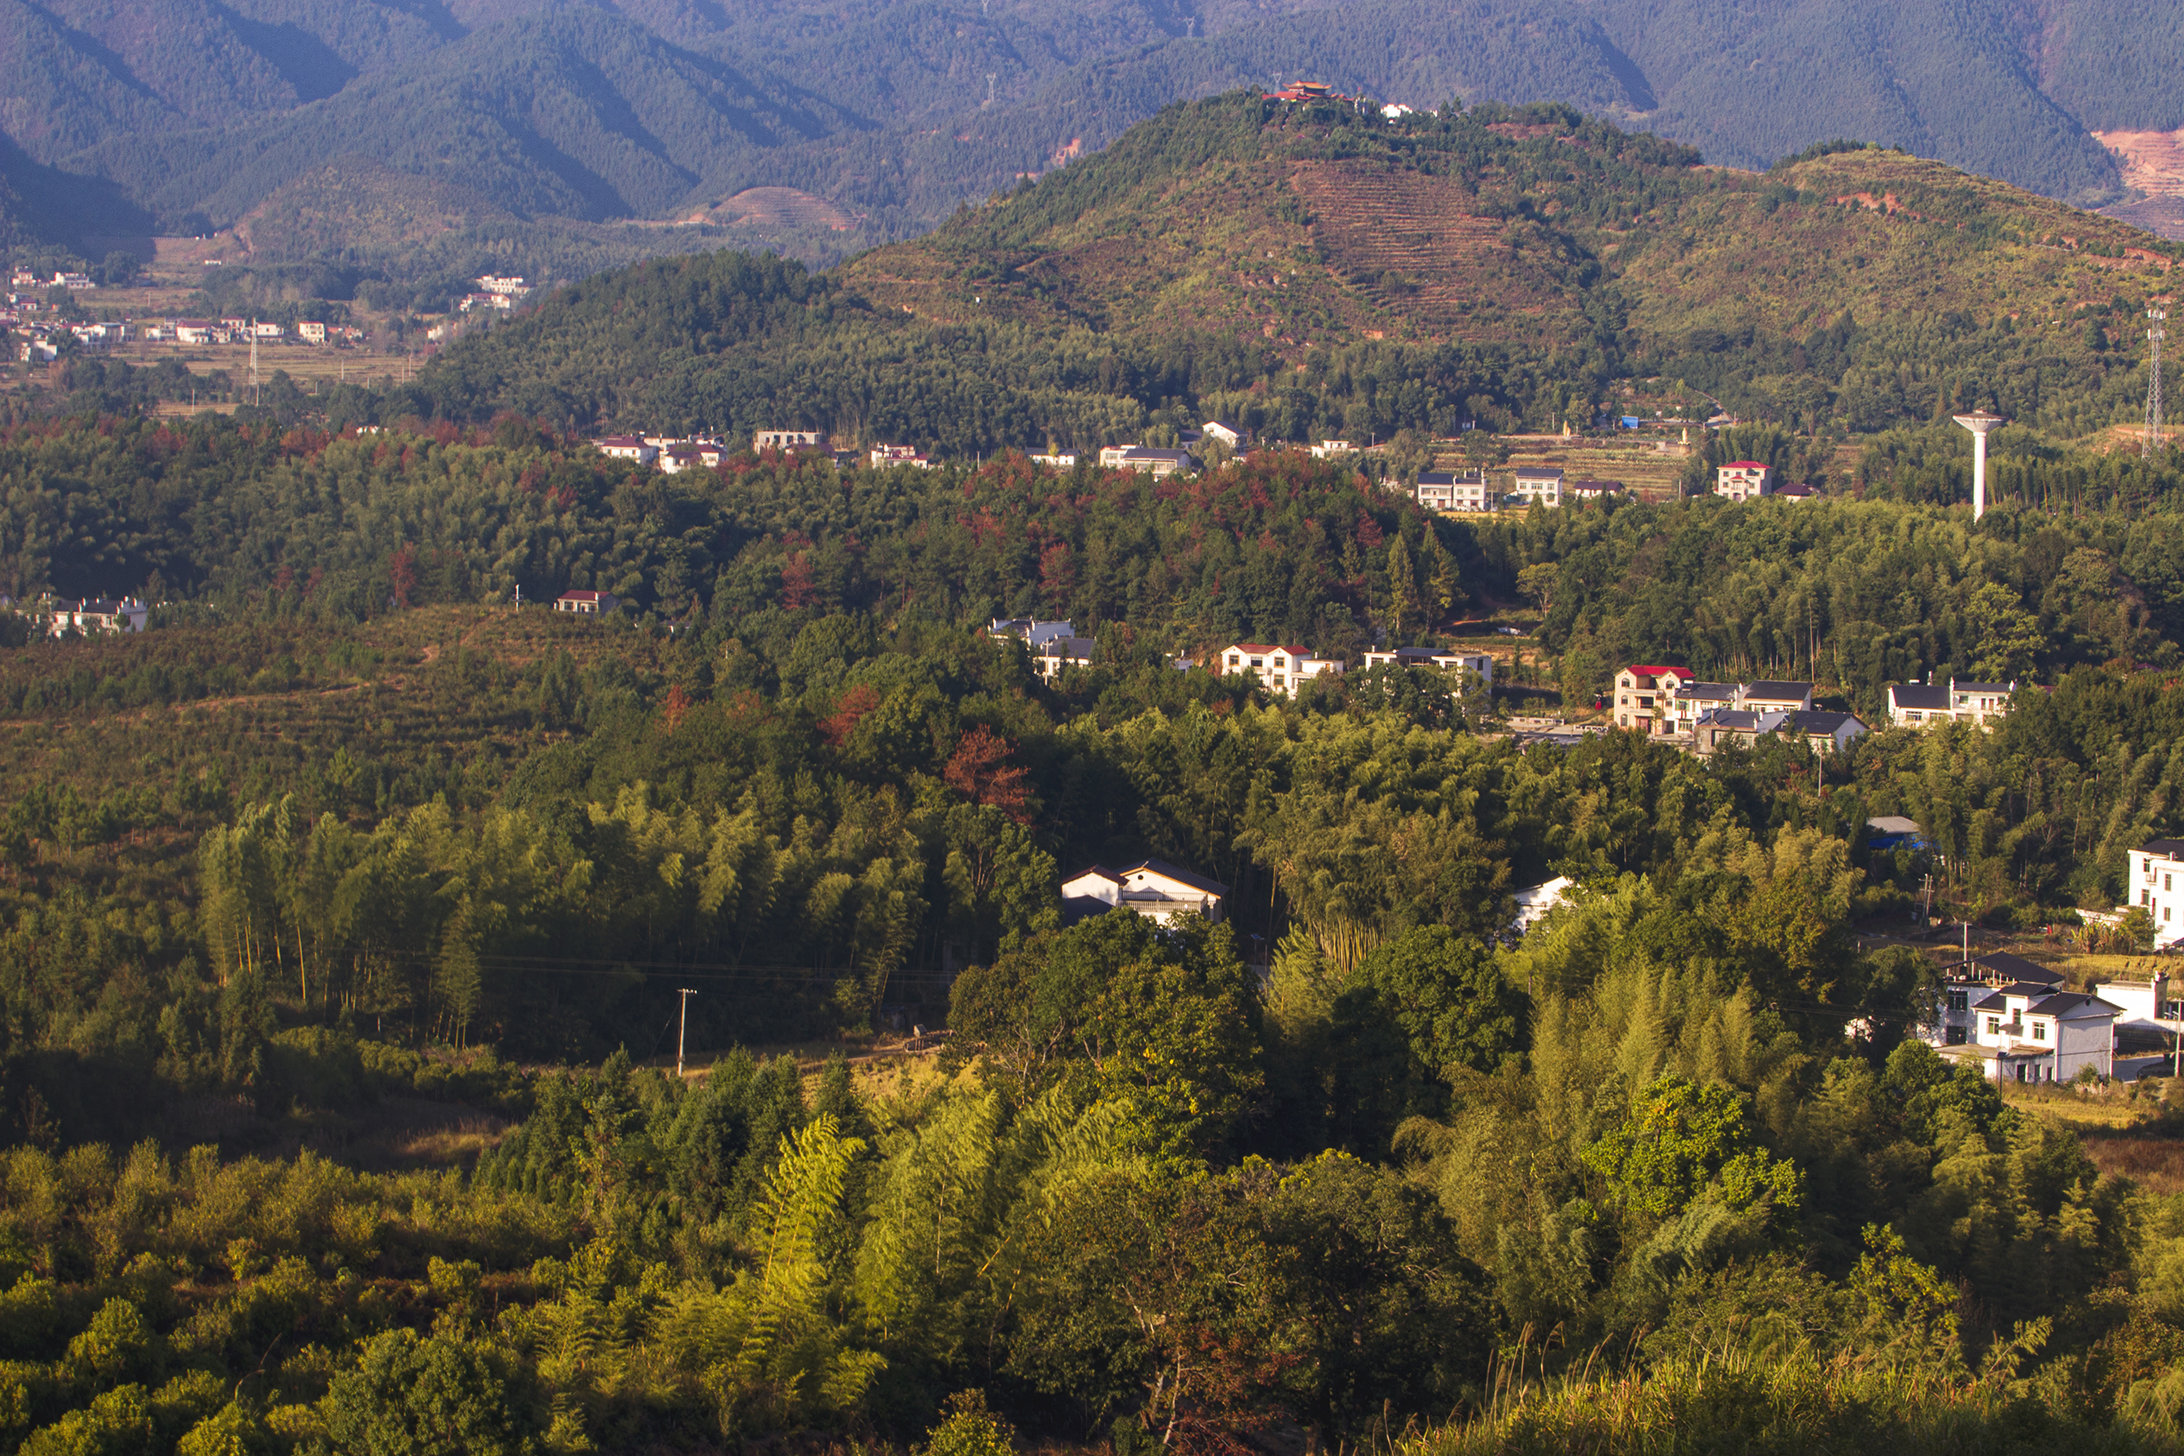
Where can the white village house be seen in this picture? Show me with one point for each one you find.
(2028, 1032)
(626, 447)
(1152, 888)
(1446, 659)
(1922, 705)
(1538, 485)
(2157, 870)
(586, 603)
(1644, 693)
(90, 615)
(1454, 491)
(1743, 480)
(1278, 667)
(1053, 645)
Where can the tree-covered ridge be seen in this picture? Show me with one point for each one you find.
(1242, 258)
(897, 112)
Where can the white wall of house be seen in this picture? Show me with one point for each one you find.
(2157, 884)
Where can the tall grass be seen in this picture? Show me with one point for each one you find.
(1736, 1402)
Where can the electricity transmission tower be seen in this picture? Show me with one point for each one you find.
(2154, 337)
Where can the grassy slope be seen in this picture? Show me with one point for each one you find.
(1731, 256)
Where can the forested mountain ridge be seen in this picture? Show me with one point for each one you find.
(897, 111)
(1304, 268)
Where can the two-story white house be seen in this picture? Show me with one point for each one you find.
(1950, 1020)
(1538, 485)
(1152, 888)
(1278, 667)
(2157, 886)
(1447, 660)
(1643, 694)
(1743, 480)
(1463, 491)
(2025, 1032)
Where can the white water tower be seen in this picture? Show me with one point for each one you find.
(1981, 424)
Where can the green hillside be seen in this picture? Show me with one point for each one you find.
(1307, 269)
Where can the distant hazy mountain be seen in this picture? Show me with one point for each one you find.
(894, 111)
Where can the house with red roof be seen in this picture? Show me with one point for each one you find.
(1645, 693)
(1743, 480)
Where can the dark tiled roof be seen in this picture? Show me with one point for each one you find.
(2062, 1003)
(2015, 969)
(2171, 848)
(1820, 720)
(1778, 691)
(1972, 687)
(1712, 692)
(1918, 695)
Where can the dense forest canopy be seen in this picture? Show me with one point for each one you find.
(344, 917)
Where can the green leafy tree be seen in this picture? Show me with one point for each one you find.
(412, 1394)
(1684, 1141)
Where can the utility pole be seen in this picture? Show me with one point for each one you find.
(681, 1028)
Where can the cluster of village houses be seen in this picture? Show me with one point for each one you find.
(1463, 492)
(42, 337)
(1278, 667)
(1671, 702)
(40, 340)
